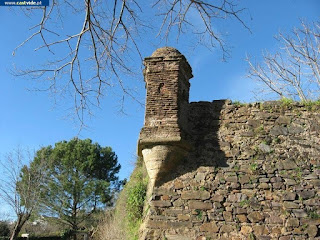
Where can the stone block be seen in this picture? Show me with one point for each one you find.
(233, 179)
(306, 194)
(292, 222)
(312, 231)
(300, 213)
(209, 227)
(289, 196)
(274, 218)
(200, 195)
(255, 217)
(242, 218)
(260, 230)
(178, 184)
(160, 203)
(227, 216)
(200, 205)
(246, 230)
(290, 205)
(183, 217)
(227, 228)
(283, 120)
(217, 198)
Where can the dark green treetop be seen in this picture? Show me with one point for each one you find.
(80, 177)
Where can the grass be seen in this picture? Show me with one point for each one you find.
(310, 105)
(124, 222)
(286, 101)
(203, 188)
(253, 167)
(199, 214)
(238, 104)
(313, 215)
(244, 203)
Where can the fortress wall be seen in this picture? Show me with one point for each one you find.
(253, 172)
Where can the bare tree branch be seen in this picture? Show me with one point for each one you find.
(293, 72)
(19, 187)
(98, 55)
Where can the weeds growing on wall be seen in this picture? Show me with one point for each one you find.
(124, 221)
(136, 195)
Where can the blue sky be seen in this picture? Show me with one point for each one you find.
(31, 119)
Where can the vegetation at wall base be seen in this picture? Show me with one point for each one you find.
(124, 221)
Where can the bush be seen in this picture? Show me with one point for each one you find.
(135, 201)
(4, 229)
(124, 221)
(135, 196)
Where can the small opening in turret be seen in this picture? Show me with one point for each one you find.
(160, 87)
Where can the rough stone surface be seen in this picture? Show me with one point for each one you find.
(249, 172)
(255, 217)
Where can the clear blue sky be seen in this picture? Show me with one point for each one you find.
(31, 120)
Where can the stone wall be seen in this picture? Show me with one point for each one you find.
(253, 173)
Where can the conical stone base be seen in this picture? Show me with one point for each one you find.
(161, 160)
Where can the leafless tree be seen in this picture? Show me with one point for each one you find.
(111, 37)
(294, 71)
(19, 187)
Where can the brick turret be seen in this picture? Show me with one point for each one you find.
(163, 138)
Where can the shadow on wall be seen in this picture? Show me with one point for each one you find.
(203, 125)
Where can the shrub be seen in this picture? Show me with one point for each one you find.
(4, 229)
(135, 197)
(124, 221)
(135, 201)
(286, 101)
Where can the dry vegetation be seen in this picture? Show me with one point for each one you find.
(124, 221)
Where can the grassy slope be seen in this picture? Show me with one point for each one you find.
(124, 221)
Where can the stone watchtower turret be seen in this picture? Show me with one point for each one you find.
(162, 141)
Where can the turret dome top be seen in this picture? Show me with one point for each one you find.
(166, 51)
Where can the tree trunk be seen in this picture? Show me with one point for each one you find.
(74, 231)
(18, 226)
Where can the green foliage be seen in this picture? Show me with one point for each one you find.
(238, 104)
(311, 105)
(236, 168)
(135, 201)
(277, 140)
(125, 220)
(298, 174)
(253, 166)
(203, 188)
(251, 236)
(4, 229)
(66, 234)
(80, 177)
(286, 101)
(199, 214)
(244, 203)
(304, 227)
(313, 215)
(259, 130)
(130, 204)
